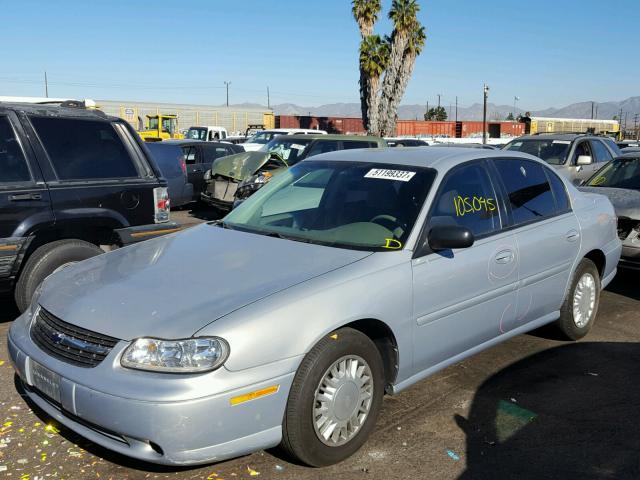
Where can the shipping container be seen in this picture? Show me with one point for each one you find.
(425, 128)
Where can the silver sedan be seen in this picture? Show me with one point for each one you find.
(352, 275)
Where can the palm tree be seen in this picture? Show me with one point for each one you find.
(415, 44)
(366, 14)
(374, 56)
(407, 28)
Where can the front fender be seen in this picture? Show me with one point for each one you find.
(288, 324)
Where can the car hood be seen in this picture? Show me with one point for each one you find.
(626, 202)
(173, 286)
(239, 166)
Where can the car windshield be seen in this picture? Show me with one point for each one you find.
(554, 152)
(196, 133)
(620, 173)
(354, 205)
(288, 150)
(263, 137)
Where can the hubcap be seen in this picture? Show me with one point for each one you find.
(584, 300)
(342, 400)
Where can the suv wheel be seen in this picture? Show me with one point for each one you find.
(49, 259)
(334, 400)
(580, 307)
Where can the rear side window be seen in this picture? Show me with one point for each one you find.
(600, 151)
(351, 144)
(528, 190)
(467, 198)
(84, 149)
(324, 147)
(563, 204)
(13, 167)
(189, 155)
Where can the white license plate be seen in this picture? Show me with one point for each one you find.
(46, 381)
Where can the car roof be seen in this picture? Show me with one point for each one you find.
(333, 136)
(56, 110)
(191, 142)
(556, 136)
(441, 159)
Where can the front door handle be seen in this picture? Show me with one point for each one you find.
(18, 197)
(505, 256)
(572, 235)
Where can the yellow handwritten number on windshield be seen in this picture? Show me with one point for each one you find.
(392, 244)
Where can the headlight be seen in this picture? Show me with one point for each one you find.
(252, 184)
(190, 355)
(207, 175)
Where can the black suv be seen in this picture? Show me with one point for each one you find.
(73, 183)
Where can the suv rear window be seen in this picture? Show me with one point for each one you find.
(84, 149)
(12, 163)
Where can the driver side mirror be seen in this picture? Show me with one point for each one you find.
(446, 237)
(584, 160)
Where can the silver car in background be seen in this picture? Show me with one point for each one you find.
(351, 275)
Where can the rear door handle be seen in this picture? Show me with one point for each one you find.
(572, 235)
(505, 256)
(18, 197)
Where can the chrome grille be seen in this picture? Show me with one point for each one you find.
(70, 343)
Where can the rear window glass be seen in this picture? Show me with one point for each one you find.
(528, 189)
(13, 167)
(84, 149)
(351, 144)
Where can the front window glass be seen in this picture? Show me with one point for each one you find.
(621, 173)
(168, 125)
(153, 123)
(354, 205)
(13, 167)
(288, 149)
(528, 190)
(554, 152)
(600, 151)
(467, 198)
(84, 149)
(196, 133)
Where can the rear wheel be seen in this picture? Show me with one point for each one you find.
(48, 259)
(580, 307)
(334, 400)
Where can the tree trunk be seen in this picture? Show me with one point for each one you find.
(369, 103)
(388, 124)
(396, 59)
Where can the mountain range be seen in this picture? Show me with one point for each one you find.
(605, 110)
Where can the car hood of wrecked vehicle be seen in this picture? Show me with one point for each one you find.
(173, 286)
(625, 201)
(241, 165)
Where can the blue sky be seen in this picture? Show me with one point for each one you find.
(549, 53)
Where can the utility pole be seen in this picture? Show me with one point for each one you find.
(591, 110)
(635, 125)
(515, 114)
(484, 114)
(625, 122)
(427, 107)
(439, 95)
(596, 112)
(227, 85)
(46, 85)
(456, 108)
(620, 117)
(268, 98)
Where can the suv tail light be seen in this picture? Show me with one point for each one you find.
(183, 165)
(161, 204)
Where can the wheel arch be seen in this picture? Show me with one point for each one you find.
(385, 340)
(599, 259)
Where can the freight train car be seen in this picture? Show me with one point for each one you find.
(535, 125)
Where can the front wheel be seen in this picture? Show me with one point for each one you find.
(580, 307)
(335, 399)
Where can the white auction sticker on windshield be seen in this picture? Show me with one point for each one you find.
(385, 174)
(562, 142)
(297, 146)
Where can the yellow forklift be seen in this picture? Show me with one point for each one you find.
(161, 127)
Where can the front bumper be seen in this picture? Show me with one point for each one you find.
(199, 430)
(209, 199)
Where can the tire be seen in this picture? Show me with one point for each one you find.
(572, 323)
(300, 439)
(44, 261)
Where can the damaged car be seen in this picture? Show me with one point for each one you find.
(620, 181)
(234, 178)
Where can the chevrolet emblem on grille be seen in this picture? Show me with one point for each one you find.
(65, 340)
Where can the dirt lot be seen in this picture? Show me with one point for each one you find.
(533, 407)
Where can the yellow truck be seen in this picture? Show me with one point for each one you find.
(161, 127)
